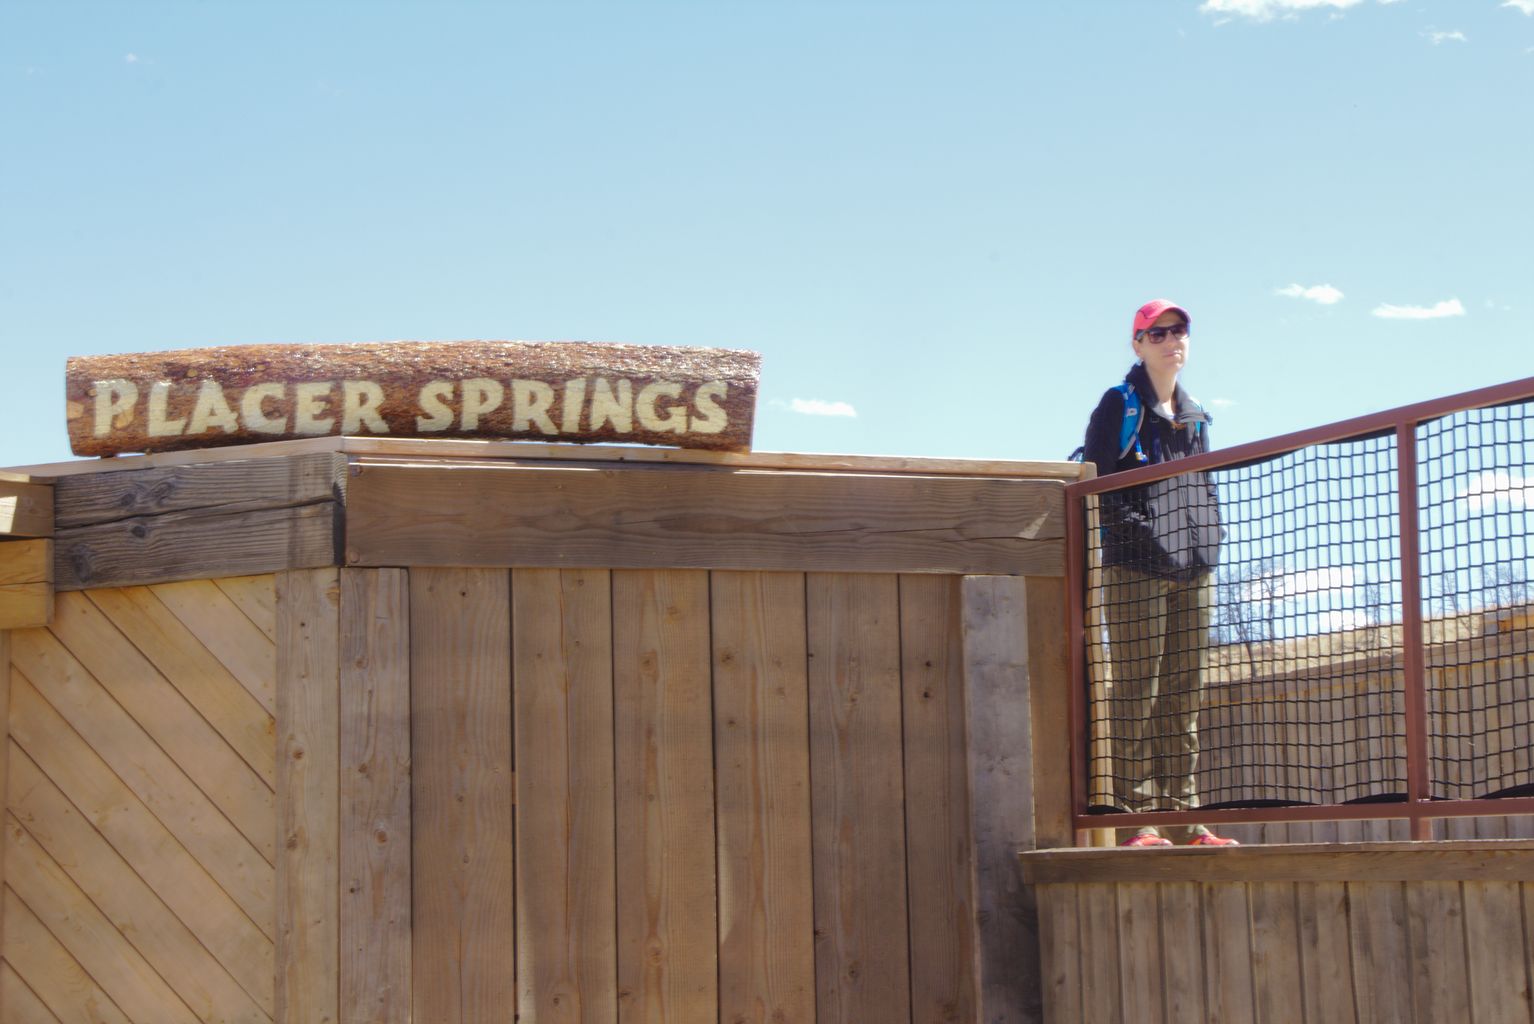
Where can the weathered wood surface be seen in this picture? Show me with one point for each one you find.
(308, 789)
(684, 517)
(26, 507)
(667, 910)
(761, 741)
(573, 391)
(375, 834)
(225, 519)
(562, 665)
(857, 787)
(463, 861)
(997, 699)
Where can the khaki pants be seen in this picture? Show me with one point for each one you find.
(1158, 633)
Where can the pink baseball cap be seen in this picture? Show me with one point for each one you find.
(1147, 314)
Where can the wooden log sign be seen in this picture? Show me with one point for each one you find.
(526, 390)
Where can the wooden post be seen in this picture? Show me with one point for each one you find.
(308, 814)
(1001, 785)
(5, 757)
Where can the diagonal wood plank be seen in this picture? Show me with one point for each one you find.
(191, 668)
(125, 899)
(51, 972)
(563, 693)
(19, 1003)
(83, 930)
(235, 640)
(461, 791)
(939, 855)
(761, 742)
(235, 940)
(663, 729)
(164, 713)
(256, 597)
(308, 784)
(375, 797)
(858, 798)
(156, 779)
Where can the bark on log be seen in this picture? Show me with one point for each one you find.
(528, 390)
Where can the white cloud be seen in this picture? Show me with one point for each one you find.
(1448, 307)
(1526, 6)
(131, 58)
(1494, 488)
(820, 407)
(1267, 10)
(1222, 403)
(1444, 37)
(1325, 294)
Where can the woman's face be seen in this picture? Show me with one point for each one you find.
(1171, 352)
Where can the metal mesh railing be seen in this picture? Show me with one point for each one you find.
(1282, 674)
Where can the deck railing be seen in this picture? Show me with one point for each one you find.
(1370, 630)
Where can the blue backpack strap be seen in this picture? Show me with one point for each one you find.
(1134, 415)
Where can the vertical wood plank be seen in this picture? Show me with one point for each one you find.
(308, 759)
(1049, 696)
(997, 693)
(1326, 954)
(1276, 953)
(463, 954)
(1060, 953)
(375, 797)
(1141, 976)
(862, 957)
(566, 861)
(1182, 951)
(667, 924)
(5, 743)
(1378, 926)
(1228, 952)
(1494, 941)
(1102, 996)
(762, 752)
(939, 858)
(1436, 942)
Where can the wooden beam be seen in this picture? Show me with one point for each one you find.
(676, 517)
(26, 561)
(26, 508)
(1049, 710)
(994, 616)
(1445, 860)
(25, 605)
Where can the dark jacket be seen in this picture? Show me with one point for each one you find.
(1170, 528)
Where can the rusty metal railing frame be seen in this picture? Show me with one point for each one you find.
(1418, 808)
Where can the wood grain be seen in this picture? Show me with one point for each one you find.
(761, 742)
(857, 798)
(253, 595)
(688, 517)
(163, 862)
(667, 920)
(308, 875)
(248, 653)
(1325, 952)
(375, 834)
(133, 909)
(1182, 950)
(1140, 973)
(997, 694)
(1102, 998)
(51, 972)
(1276, 974)
(1496, 953)
(18, 1002)
(1435, 932)
(1228, 953)
(26, 561)
(25, 605)
(562, 669)
(1381, 978)
(939, 850)
(1049, 693)
(152, 775)
(26, 509)
(464, 940)
(196, 544)
(1060, 953)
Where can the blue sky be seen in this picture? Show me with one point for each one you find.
(937, 217)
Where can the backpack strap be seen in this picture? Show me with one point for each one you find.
(1134, 416)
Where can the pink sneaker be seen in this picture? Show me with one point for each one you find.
(1146, 837)
(1210, 839)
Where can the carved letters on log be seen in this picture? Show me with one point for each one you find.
(528, 390)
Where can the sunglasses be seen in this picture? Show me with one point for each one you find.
(1159, 334)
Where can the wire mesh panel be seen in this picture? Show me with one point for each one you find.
(1476, 485)
(1265, 668)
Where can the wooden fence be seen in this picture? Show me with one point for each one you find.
(461, 773)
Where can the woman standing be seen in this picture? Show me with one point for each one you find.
(1161, 543)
